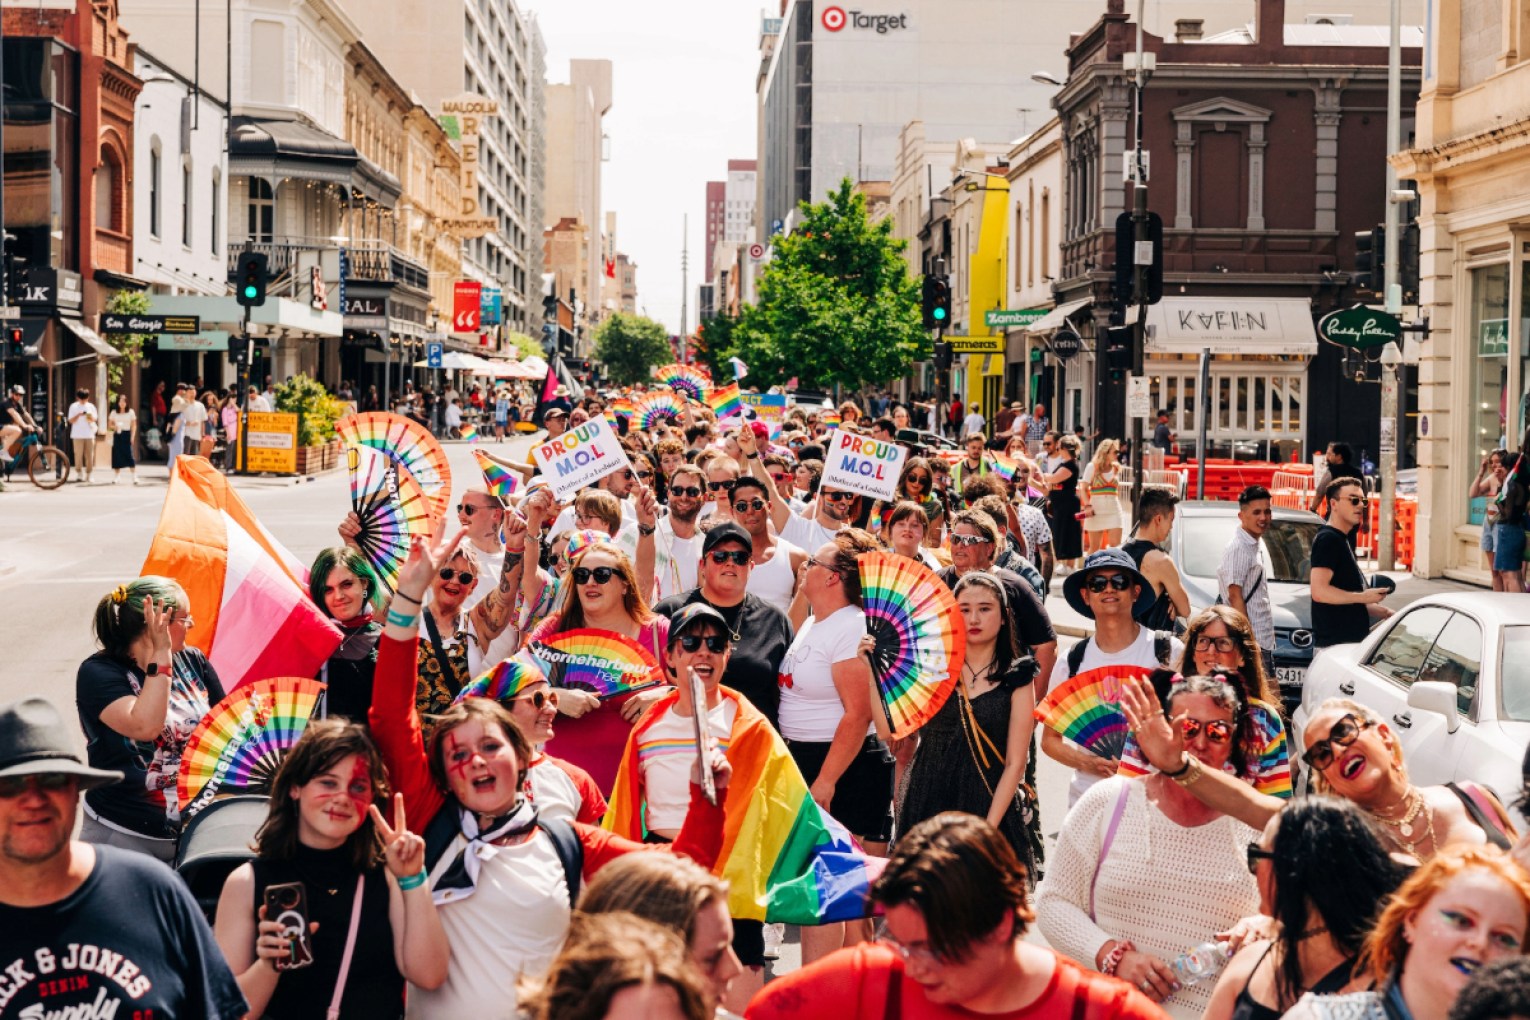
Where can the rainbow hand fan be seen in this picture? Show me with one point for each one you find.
(504, 681)
(655, 409)
(920, 637)
(686, 380)
(725, 401)
(239, 744)
(409, 445)
(386, 523)
(499, 481)
(600, 661)
(1087, 709)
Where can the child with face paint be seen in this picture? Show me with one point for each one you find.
(326, 832)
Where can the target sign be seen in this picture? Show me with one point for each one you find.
(834, 18)
(756, 251)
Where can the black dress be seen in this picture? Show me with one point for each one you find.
(349, 673)
(945, 774)
(1067, 532)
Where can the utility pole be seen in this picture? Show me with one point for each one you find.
(1390, 359)
(685, 286)
(1140, 270)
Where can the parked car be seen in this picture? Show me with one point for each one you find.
(1202, 531)
(1450, 675)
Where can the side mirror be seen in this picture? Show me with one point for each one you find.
(1438, 697)
(1383, 582)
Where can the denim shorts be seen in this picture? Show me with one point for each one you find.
(1489, 537)
(1509, 547)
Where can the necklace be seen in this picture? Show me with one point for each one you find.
(1413, 803)
(1404, 826)
(971, 677)
(738, 611)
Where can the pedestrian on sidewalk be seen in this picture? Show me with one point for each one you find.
(177, 439)
(1343, 608)
(1155, 521)
(82, 417)
(1509, 537)
(1240, 576)
(1067, 533)
(974, 421)
(193, 424)
(123, 422)
(1101, 480)
(228, 415)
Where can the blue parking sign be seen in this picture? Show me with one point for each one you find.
(433, 352)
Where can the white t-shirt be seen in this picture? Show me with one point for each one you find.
(192, 419)
(806, 533)
(810, 705)
(83, 427)
(665, 754)
(490, 566)
(453, 416)
(1138, 653)
(676, 572)
(972, 423)
(122, 421)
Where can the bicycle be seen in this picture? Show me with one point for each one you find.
(47, 466)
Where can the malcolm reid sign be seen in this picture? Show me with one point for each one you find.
(462, 118)
(1359, 328)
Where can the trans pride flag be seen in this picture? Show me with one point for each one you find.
(249, 595)
(784, 857)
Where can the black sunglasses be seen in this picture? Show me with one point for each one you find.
(1344, 733)
(685, 490)
(582, 575)
(918, 479)
(837, 497)
(469, 509)
(645, 474)
(737, 557)
(463, 577)
(720, 486)
(749, 504)
(716, 643)
(1099, 582)
(49, 782)
(1257, 853)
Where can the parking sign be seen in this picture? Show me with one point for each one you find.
(433, 352)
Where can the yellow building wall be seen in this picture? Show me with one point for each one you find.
(987, 271)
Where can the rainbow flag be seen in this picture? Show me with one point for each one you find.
(499, 481)
(828, 418)
(1004, 467)
(249, 594)
(611, 420)
(623, 407)
(469, 433)
(1269, 754)
(785, 859)
(724, 401)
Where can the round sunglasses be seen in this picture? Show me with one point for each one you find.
(1218, 731)
(745, 505)
(539, 699)
(463, 577)
(1344, 733)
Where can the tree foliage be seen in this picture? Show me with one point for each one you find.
(523, 346)
(631, 346)
(836, 303)
(132, 345)
(714, 342)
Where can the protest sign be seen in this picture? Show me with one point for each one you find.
(581, 456)
(769, 408)
(868, 466)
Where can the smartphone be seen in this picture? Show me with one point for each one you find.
(287, 904)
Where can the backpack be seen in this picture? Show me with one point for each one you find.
(1162, 647)
(442, 829)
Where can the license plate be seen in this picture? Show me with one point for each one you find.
(1290, 674)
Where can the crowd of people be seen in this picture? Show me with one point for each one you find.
(448, 850)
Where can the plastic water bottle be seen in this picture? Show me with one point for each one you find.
(1200, 963)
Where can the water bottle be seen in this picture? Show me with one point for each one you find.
(1200, 963)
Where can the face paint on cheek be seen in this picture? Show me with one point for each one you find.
(456, 768)
(360, 788)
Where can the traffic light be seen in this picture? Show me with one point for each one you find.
(936, 301)
(1126, 266)
(250, 279)
(550, 307)
(16, 346)
(549, 336)
(942, 357)
(1370, 259)
(1407, 263)
(239, 349)
(1118, 351)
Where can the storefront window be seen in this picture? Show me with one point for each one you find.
(1489, 339)
(1522, 415)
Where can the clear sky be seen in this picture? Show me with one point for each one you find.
(682, 105)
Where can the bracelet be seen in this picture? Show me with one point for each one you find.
(1115, 956)
(407, 598)
(1194, 767)
(398, 619)
(1184, 766)
(413, 881)
(751, 456)
(646, 529)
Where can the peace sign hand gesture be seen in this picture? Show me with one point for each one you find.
(405, 851)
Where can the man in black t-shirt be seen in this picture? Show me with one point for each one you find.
(1342, 606)
(89, 930)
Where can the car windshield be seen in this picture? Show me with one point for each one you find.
(1287, 554)
(1515, 673)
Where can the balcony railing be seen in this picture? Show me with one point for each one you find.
(374, 261)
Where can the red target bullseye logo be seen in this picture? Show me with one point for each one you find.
(833, 18)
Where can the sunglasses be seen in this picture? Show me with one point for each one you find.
(837, 497)
(1255, 854)
(1099, 582)
(582, 575)
(782, 477)
(1218, 731)
(539, 699)
(1221, 644)
(716, 643)
(831, 568)
(645, 475)
(967, 540)
(469, 509)
(737, 557)
(719, 486)
(12, 787)
(1355, 500)
(749, 504)
(918, 479)
(685, 490)
(555, 561)
(1344, 733)
(463, 577)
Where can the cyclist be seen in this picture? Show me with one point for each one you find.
(14, 420)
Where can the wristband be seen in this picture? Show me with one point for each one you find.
(752, 456)
(1184, 766)
(1114, 957)
(1193, 766)
(413, 881)
(398, 619)
(646, 529)
(406, 598)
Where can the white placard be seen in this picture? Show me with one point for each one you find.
(867, 466)
(1139, 398)
(579, 457)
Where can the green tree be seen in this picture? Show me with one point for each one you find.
(714, 341)
(523, 346)
(631, 346)
(836, 303)
(126, 302)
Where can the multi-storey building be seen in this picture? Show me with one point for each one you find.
(574, 157)
(716, 223)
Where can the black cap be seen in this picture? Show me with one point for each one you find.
(729, 531)
(692, 615)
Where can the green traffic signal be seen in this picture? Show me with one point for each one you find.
(939, 314)
(250, 290)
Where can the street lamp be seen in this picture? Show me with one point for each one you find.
(1045, 78)
(1391, 358)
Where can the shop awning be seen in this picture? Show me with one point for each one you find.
(90, 338)
(1231, 325)
(1057, 316)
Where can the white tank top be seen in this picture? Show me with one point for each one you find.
(772, 580)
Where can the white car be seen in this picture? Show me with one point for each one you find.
(1450, 675)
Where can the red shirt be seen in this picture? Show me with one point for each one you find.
(853, 984)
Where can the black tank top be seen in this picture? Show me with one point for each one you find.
(1160, 615)
(1247, 1008)
(374, 986)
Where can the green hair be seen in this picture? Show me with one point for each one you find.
(351, 559)
(119, 615)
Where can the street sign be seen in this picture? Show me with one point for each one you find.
(995, 318)
(271, 442)
(1066, 342)
(124, 324)
(976, 344)
(467, 304)
(1359, 328)
(434, 351)
(1139, 401)
(756, 251)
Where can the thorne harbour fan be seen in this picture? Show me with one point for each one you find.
(602, 662)
(920, 638)
(409, 444)
(239, 744)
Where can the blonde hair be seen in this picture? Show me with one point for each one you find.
(606, 953)
(1316, 780)
(661, 888)
(1104, 454)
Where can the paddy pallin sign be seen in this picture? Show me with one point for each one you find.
(579, 457)
(867, 466)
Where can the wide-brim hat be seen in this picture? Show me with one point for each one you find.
(34, 741)
(1114, 559)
